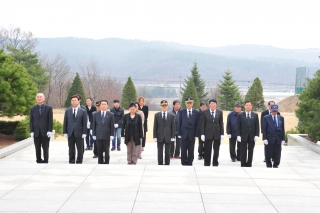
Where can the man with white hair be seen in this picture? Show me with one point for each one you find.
(41, 122)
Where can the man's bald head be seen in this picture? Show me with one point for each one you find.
(40, 98)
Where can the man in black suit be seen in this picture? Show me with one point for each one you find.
(211, 130)
(203, 106)
(95, 147)
(90, 109)
(175, 145)
(188, 131)
(41, 122)
(264, 113)
(164, 132)
(247, 133)
(103, 131)
(273, 136)
(232, 132)
(75, 128)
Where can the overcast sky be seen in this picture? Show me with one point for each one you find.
(280, 23)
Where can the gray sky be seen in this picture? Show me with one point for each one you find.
(281, 23)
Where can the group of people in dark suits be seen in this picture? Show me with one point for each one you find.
(172, 131)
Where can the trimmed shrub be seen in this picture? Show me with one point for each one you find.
(291, 131)
(7, 127)
(57, 126)
(22, 130)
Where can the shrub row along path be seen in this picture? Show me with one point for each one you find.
(60, 187)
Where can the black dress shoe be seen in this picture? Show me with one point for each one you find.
(233, 160)
(95, 156)
(199, 157)
(264, 160)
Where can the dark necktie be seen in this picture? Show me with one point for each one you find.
(102, 117)
(212, 115)
(275, 121)
(248, 118)
(164, 117)
(40, 110)
(189, 115)
(74, 114)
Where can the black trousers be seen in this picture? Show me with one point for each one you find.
(246, 156)
(187, 151)
(201, 148)
(103, 146)
(72, 143)
(42, 141)
(175, 147)
(166, 153)
(207, 152)
(273, 151)
(95, 148)
(232, 147)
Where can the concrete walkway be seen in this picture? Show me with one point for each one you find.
(59, 187)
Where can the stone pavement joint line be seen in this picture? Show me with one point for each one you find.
(146, 187)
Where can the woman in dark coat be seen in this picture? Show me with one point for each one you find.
(132, 133)
(145, 110)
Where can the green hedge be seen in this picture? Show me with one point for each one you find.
(7, 127)
(22, 130)
(57, 126)
(291, 131)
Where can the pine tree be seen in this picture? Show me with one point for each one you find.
(190, 91)
(76, 88)
(255, 95)
(29, 60)
(308, 108)
(229, 92)
(199, 83)
(17, 90)
(129, 93)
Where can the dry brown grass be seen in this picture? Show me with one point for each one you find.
(290, 122)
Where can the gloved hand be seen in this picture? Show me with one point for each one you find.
(91, 132)
(84, 135)
(172, 139)
(229, 136)
(265, 142)
(239, 138)
(179, 136)
(255, 138)
(94, 137)
(282, 142)
(155, 139)
(65, 135)
(202, 137)
(222, 137)
(116, 125)
(31, 134)
(111, 138)
(49, 134)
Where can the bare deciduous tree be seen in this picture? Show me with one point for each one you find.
(98, 85)
(60, 77)
(16, 38)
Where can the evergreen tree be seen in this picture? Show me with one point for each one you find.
(229, 92)
(17, 90)
(255, 95)
(198, 82)
(129, 94)
(190, 91)
(76, 88)
(30, 61)
(308, 108)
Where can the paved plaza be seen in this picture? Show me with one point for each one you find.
(60, 187)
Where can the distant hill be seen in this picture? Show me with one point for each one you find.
(159, 61)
